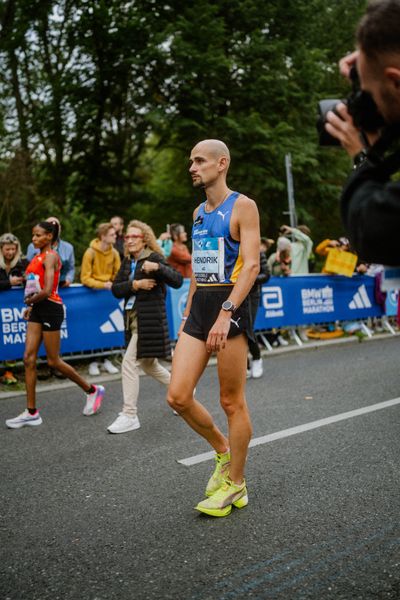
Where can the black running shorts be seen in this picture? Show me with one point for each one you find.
(206, 304)
(49, 314)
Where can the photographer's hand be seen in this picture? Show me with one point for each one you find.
(342, 128)
(347, 62)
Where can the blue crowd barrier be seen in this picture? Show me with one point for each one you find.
(94, 318)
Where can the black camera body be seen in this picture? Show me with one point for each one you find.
(361, 107)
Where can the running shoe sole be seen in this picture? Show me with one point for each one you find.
(224, 512)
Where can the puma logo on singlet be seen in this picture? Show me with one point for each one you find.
(221, 214)
(236, 322)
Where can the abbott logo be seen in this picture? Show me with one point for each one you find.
(272, 300)
(115, 320)
(360, 299)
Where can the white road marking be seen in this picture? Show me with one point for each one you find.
(278, 435)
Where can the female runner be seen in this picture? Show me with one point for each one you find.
(45, 314)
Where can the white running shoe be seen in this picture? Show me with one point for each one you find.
(25, 418)
(282, 341)
(123, 424)
(93, 401)
(94, 369)
(257, 368)
(109, 367)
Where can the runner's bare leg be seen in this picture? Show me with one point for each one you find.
(190, 360)
(232, 380)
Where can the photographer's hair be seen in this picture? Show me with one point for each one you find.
(103, 229)
(149, 237)
(51, 227)
(176, 229)
(9, 238)
(378, 31)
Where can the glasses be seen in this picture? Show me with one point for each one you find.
(132, 237)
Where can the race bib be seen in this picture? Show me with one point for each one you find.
(208, 260)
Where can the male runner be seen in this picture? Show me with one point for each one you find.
(225, 259)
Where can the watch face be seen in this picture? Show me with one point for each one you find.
(227, 305)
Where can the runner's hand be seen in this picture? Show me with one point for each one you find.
(27, 312)
(218, 334)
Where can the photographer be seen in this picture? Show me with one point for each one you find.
(370, 201)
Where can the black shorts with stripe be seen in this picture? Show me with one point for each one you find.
(206, 305)
(49, 314)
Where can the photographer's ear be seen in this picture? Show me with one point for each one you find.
(393, 75)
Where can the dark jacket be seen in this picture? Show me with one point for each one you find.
(152, 325)
(370, 206)
(18, 270)
(263, 275)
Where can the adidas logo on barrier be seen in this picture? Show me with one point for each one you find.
(360, 299)
(115, 321)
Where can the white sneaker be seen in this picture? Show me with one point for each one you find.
(109, 367)
(25, 418)
(94, 369)
(303, 336)
(248, 373)
(257, 368)
(123, 423)
(282, 341)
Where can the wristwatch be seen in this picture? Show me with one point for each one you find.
(228, 306)
(359, 158)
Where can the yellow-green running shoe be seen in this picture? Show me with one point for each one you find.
(221, 502)
(222, 462)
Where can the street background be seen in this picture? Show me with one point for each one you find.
(85, 514)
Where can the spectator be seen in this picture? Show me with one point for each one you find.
(141, 282)
(12, 269)
(326, 246)
(119, 244)
(165, 241)
(65, 251)
(180, 258)
(255, 370)
(12, 264)
(100, 264)
(266, 244)
(279, 263)
(301, 247)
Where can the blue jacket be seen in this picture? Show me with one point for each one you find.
(65, 251)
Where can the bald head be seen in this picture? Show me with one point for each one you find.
(216, 148)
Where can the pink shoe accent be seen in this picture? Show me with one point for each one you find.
(99, 398)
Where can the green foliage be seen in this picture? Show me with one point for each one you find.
(101, 102)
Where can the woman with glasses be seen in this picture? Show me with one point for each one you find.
(142, 281)
(12, 265)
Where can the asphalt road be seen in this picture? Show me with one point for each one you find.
(89, 515)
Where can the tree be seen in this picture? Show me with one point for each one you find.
(104, 100)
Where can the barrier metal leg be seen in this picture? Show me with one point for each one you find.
(265, 341)
(366, 330)
(387, 325)
(295, 336)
